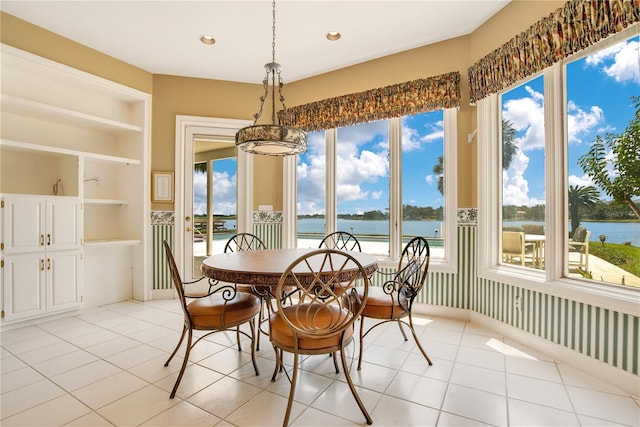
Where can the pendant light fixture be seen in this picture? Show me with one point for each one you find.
(272, 139)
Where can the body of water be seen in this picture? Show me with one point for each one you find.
(616, 232)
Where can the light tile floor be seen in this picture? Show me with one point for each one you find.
(106, 367)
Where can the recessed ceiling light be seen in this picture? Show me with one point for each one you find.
(207, 40)
(333, 36)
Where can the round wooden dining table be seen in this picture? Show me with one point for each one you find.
(265, 267)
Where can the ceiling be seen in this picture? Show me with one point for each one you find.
(162, 37)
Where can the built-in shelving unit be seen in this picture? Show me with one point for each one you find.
(69, 133)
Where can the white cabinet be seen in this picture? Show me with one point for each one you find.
(69, 134)
(41, 265)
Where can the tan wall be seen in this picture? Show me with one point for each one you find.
(23, 35)
(201, 97)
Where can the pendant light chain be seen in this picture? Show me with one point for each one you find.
(272, 139)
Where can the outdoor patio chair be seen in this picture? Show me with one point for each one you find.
(515, 248)
(579, 244)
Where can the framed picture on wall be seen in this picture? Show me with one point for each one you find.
(162, 187)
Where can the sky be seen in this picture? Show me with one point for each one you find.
(599, 89)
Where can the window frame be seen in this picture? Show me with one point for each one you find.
(554, 279)
(447, 264)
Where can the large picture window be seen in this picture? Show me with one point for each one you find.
(386, 182)
(576, 153)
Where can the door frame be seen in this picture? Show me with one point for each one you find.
(186, 128)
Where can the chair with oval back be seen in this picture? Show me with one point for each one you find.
(318, 320)
(341, 240)
(224, 309)
(242, 242)
(393, 301)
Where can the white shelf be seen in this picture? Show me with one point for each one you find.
(49, 112)
(110, 243)
(18, 145)
(104, 202)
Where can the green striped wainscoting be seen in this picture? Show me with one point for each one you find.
(162, 224)
(267, 225)
(602, 334)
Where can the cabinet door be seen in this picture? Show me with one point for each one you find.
(63, 225)
(23, 284)
(63, 280)
(23, 224)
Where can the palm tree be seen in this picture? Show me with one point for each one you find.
(580, 198)
(438, 170)
(509, 147)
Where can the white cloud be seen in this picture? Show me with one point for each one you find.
(624, 59)
(580, 181)
(515, 188)
(411, 139)
(430, 179)
(224, 197)
(527, 115)
(581, 122)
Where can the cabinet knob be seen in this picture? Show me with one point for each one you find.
(48, 239)
(41, 264)
(48, 263)
(187, 218)
(42, 240)
(188, 229)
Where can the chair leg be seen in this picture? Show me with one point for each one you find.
(402, 330)
(238, 337)
(292, 391)
(361, 341)
(184, 365)
(252, 326)
(335, 362)
(260, 318)
(278, 362)
(353, 388)
(184, 329)
(415, 337)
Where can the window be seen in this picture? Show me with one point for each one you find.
(310, 200)
(386, 181)
(589, 238)
(523, 184)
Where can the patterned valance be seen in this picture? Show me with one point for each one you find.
(397, 100)
(571, 28)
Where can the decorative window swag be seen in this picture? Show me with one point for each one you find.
(397, 100)
(571, 28)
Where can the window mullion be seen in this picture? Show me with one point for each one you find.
(556, 172)
(330, 214)
(395, 187)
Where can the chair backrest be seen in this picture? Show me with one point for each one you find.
(579, 234)
(341, 240)
(244, 242)
(327, 301)
(513, 242)
(412, 271)
(533, 228)
(177, 280)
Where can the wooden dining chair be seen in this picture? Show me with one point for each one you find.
(319, 320)
(224, 309)
(341, 240)
(393, 301)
